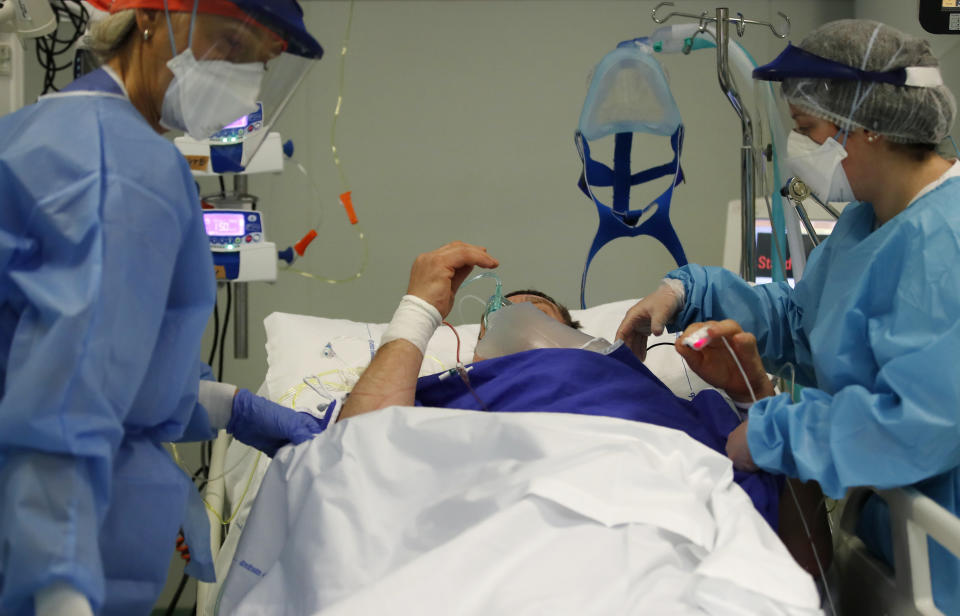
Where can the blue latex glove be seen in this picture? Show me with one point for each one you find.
(267, 426)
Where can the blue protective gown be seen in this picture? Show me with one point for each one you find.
(106, 285)
(873, 329)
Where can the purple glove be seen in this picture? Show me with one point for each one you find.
(267, 426)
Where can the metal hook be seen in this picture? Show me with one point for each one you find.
(740, 21)
(702, 26)
(657, 8)
(786, 28)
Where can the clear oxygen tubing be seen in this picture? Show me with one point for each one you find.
(461, 300)
(779, 258)
(793, 494)
(346, 195)
(786, 226)
(496, 301)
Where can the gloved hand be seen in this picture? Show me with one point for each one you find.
(267, 426)
(650, 315)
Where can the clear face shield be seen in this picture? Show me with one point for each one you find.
(233, 75)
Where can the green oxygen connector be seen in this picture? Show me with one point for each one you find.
(496, 301)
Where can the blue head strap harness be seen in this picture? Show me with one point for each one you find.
(629, 73)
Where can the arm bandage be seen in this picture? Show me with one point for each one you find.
(415, 321)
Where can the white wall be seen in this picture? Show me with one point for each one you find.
(458, 123)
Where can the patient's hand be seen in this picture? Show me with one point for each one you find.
(714, 364)
(436, 276)
(391, 378)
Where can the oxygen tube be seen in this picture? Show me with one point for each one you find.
(292, 253)
(496, 301)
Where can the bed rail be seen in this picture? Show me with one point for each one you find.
(214, 495)
(870, 587)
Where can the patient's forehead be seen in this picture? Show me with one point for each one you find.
(545, 306)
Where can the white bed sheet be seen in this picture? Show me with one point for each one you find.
(424, 511)
(312, 360)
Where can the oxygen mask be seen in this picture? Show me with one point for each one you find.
(523, 327)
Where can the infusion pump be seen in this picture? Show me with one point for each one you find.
(240, 250)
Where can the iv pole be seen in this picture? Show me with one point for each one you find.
(748, 262)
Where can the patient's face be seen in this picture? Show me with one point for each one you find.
(545, 306)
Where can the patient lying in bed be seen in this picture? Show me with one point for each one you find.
(562, 380)
(565, 512)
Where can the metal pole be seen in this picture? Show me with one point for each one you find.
(240, 321)
(805, 220)
(748, 261)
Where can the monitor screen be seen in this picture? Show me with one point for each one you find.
(951, 5)
(241, 123)
(766, 248)
(224, 224)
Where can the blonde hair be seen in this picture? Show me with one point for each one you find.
(107, 35)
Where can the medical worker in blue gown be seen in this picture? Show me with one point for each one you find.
(106, 286)
(873, 327)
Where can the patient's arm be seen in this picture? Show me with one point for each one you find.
(391, 378)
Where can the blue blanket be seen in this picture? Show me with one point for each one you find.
(587, 383)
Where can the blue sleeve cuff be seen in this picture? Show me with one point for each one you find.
(764, 440)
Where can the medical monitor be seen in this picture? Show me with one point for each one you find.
(940, 16)
(766, 248)
(823, 223)
(236, 131)
(224, 224)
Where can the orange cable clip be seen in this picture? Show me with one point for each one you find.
(301, 246)
(347, 201)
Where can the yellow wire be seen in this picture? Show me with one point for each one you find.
(358, 274)
(243, 496)
(344, 185)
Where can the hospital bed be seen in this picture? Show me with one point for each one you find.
(312, 360)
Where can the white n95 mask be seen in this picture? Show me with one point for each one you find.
(819, 166)
(205, 96)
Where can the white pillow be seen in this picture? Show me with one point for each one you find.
(312, 360)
